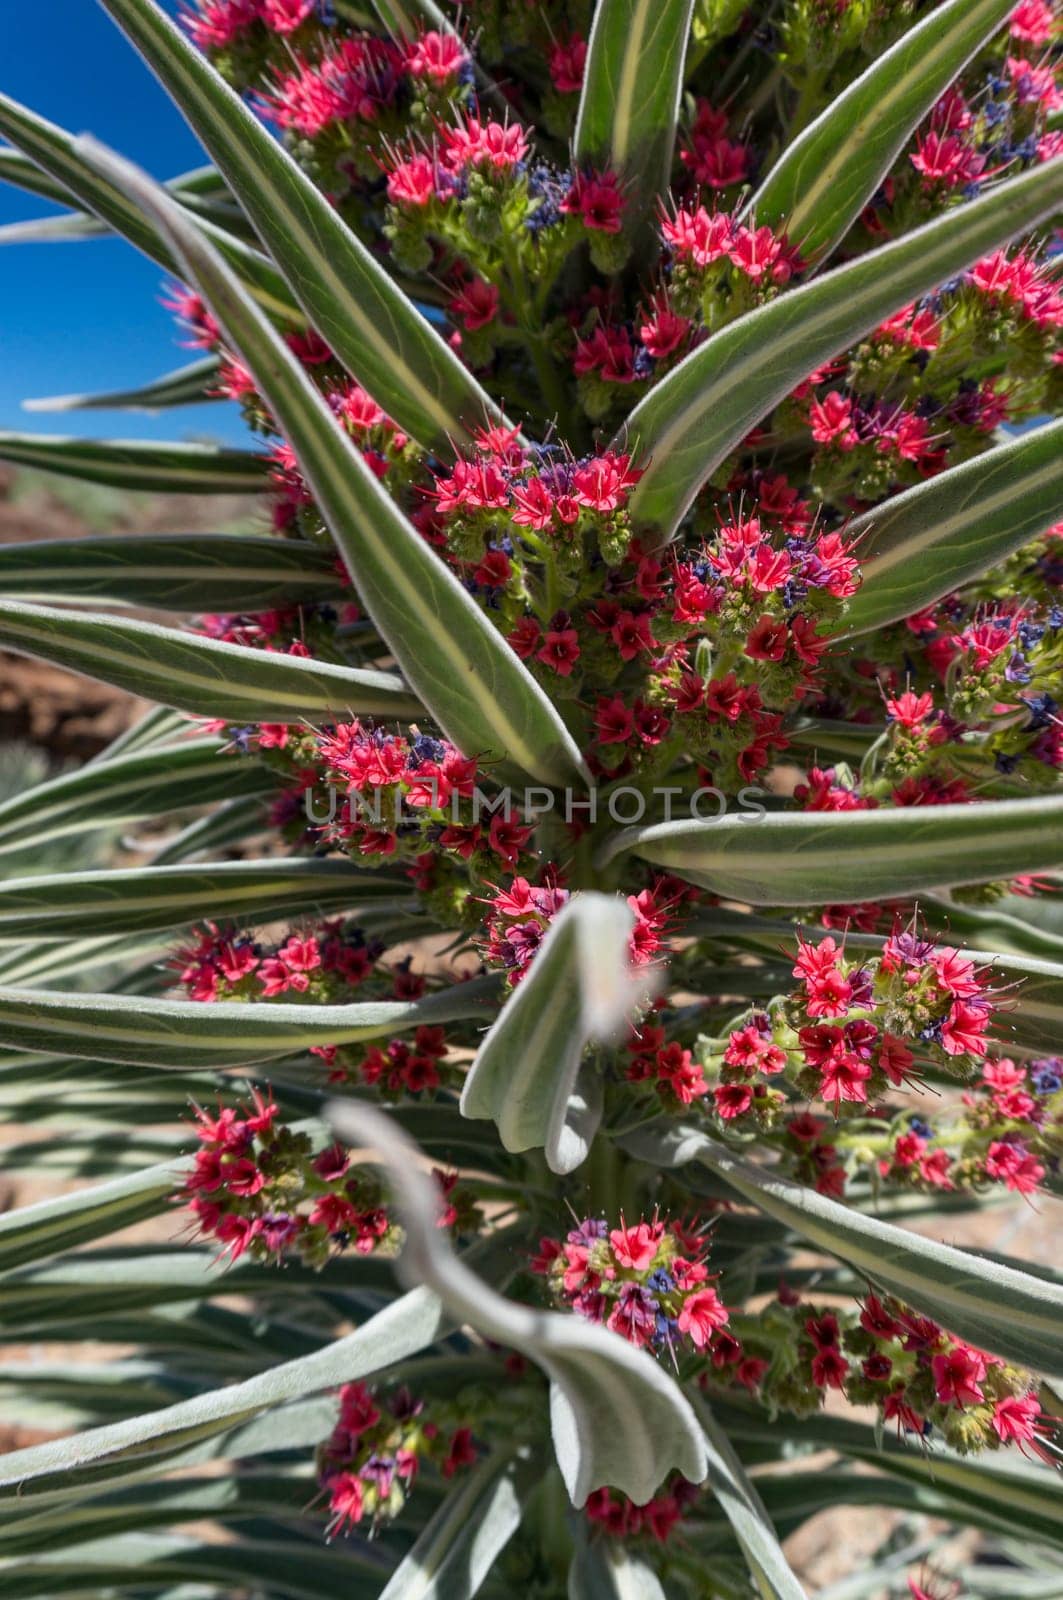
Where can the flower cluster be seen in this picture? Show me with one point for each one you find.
(621, 1518)
(918, 1376)
(319, 966)
(1007, 1130)
(854, 1026)
(259, 1188)
(381, 1442)
(519, 916)
(644, 1281)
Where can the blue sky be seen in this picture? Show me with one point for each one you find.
(84, 317)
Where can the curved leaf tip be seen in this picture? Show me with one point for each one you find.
(617, 1417)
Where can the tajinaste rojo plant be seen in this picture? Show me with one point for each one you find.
(662, 611)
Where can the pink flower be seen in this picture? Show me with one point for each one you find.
(436, 56)
(946, 159)
(698, 236)
(909, 710)
(701, 1315)
(1012, 1165)
(496, 145)
(284, 16)
(346, 1500)
(412, 182)
(832, 420)
(964, 1030)
(957, 1375)
(602, 482)
(1015, 1418)
(636, 1247)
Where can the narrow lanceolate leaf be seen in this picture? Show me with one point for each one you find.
(203, 676)
(141, 784)
(141, 899)
(139, 464)
(17, 168)
(33, 1233)
(480, 693)
(459, 1545)
(187, 385)
(745, 1512)
(173, 571)
(1012, 1314)
(691, 421)
(824, 179)
(1002, 1489)
(580, 987)
(804, 859)
(630, 98)
(379, 335)
(607, 1569)
(1034, 1018)
(53, 149)
(190, 1035)
(928, 541)
(200, 187)
(180, 1565)
(71, 227)
(618, 1418)
(400, 1330)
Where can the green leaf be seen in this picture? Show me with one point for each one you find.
(159, 725)
(928, 541)
(203, 676)
(33, 1233)
(141, 899)
(825, 178)
(191, 384)
(141, 464)
(580, 987)
(690, 422)
(229, 824)
(53, 149)
(606, 1569)
(1034, 1018)
(1004, 1489)
(300, 1571)
(142, 1506)
(460, 1543)
(71, 227)
(378, 335)
(630, 98)
(1012, 1314)
(400, 1330)
(481, 694)
(617, 1417)
(17, 168)
(189, 1034)
(173, 571)
(804, 859)
(745, 1512)
(142, 784)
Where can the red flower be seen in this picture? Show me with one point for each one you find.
(568, 60)
(475, 304)
(596, 198)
